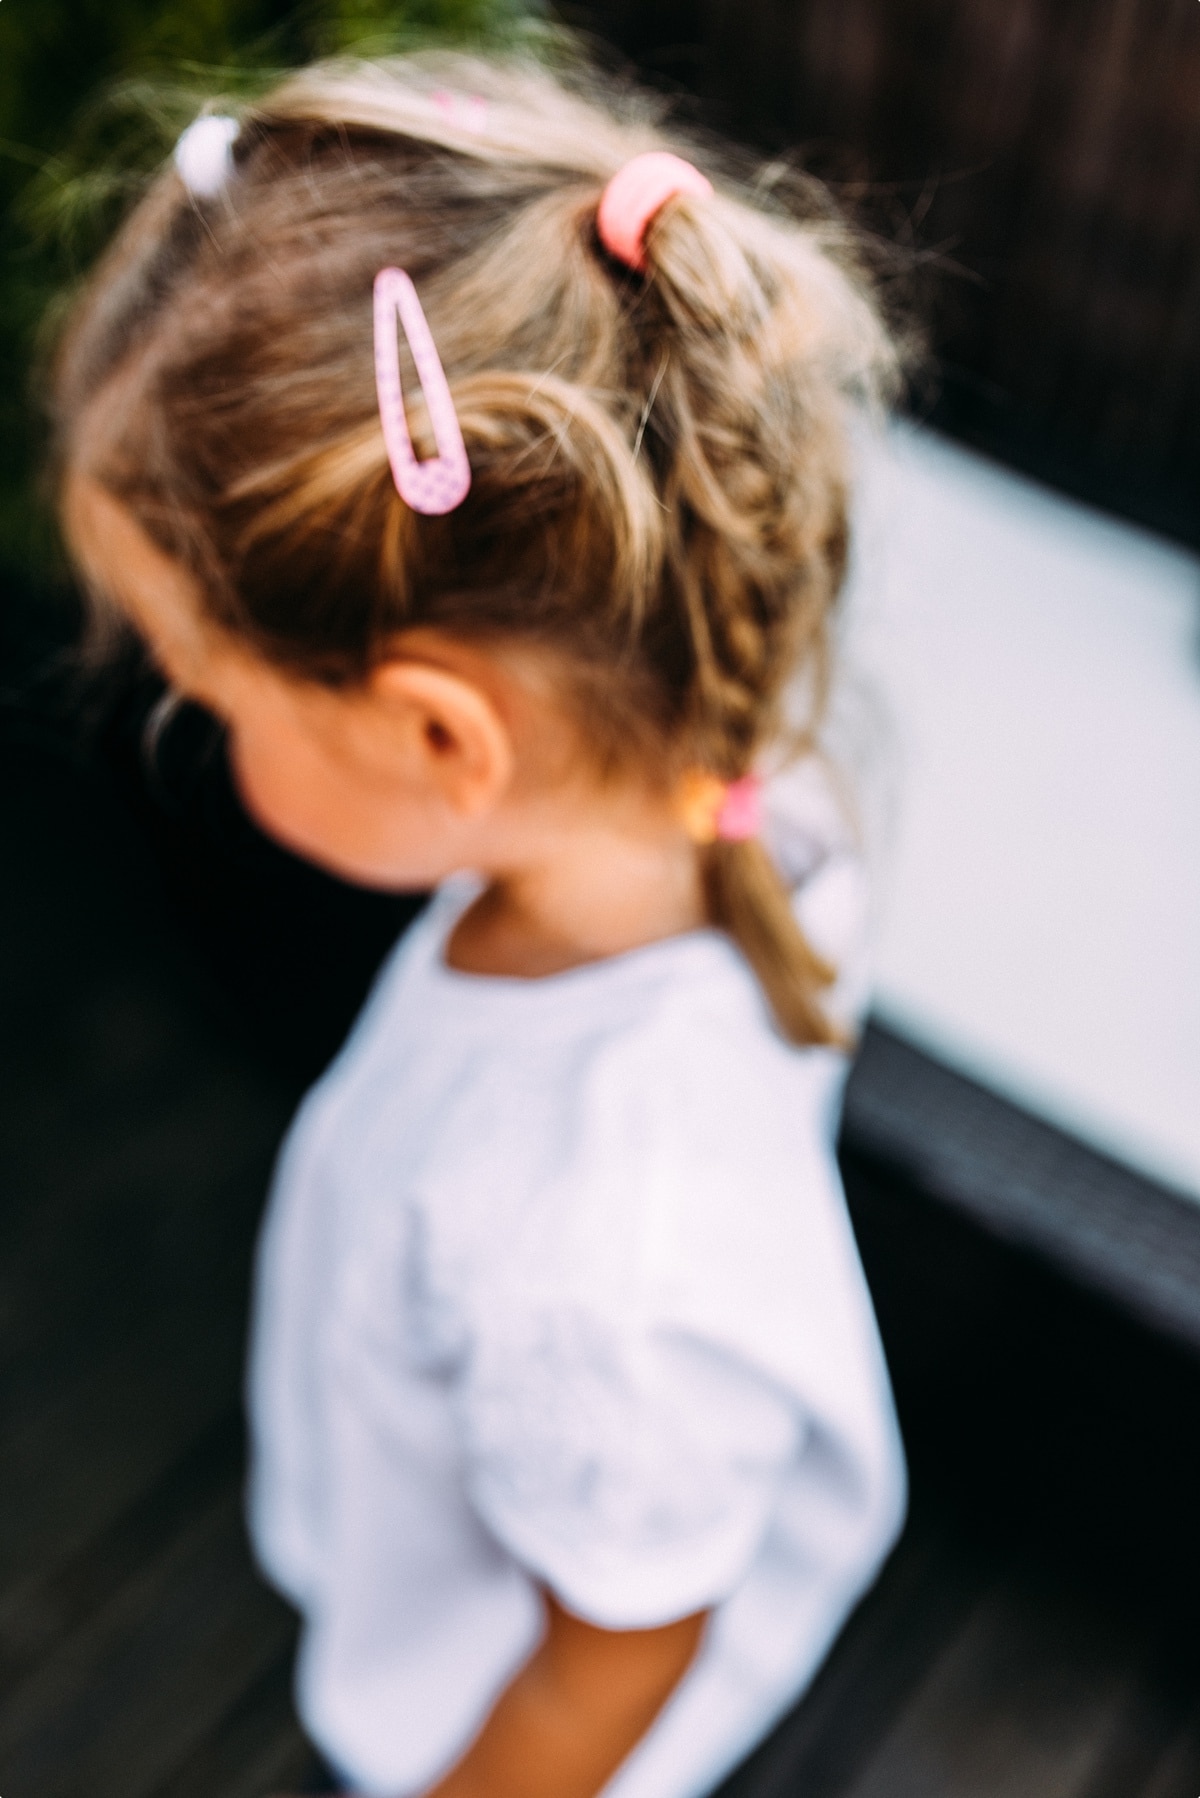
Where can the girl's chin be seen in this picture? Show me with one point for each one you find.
(362, 867)
(382, 877)
(383, 873)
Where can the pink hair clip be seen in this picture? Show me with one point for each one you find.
(636, 194)
(443, 482)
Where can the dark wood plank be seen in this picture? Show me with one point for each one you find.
(1177, 1774)
(136, 1139)
(1026, 1698)
(76, 1466)
(254, 1750)
(931, 1582)
(137, 1690)
(39, 1613)
(1154, 1751)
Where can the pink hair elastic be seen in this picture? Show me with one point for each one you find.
(710, 807)
(740, 815)
(636, 194)
(443, 482)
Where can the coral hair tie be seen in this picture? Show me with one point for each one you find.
(636, 194)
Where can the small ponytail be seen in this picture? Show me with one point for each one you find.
(748, 306)
(746, 898)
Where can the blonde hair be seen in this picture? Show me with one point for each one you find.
(659, 463)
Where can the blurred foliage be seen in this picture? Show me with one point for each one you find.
(92, 95)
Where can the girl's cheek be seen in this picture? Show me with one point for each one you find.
(295, 796)
(274, 788)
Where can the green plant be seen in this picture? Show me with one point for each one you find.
(92, 95)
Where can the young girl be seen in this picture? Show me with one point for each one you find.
(483, 467)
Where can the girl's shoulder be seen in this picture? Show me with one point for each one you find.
(674, 1022)
(708, 1069)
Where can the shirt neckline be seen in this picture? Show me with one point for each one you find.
(626, 966)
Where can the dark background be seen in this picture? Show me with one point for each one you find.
(92, 95)
(1041, 159)
(169, 980)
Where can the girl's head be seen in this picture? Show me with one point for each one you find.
(656, 526)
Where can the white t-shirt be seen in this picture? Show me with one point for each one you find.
(557, 1288)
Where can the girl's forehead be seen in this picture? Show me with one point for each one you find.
(153, 593)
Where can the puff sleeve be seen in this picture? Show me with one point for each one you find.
(631, 1468)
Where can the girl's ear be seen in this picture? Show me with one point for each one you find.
(452, 739)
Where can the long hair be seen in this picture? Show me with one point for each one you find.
(659, 461)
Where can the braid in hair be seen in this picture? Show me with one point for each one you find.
(657, 457)
(751, 442)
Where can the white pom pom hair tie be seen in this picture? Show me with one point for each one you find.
(204, 155)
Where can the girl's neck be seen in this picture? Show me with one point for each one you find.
(591, 893)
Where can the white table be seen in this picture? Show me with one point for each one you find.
(1035, 670)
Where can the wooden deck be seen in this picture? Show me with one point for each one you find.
(1032, 1637)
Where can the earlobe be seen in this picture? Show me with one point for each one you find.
(457, 738)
